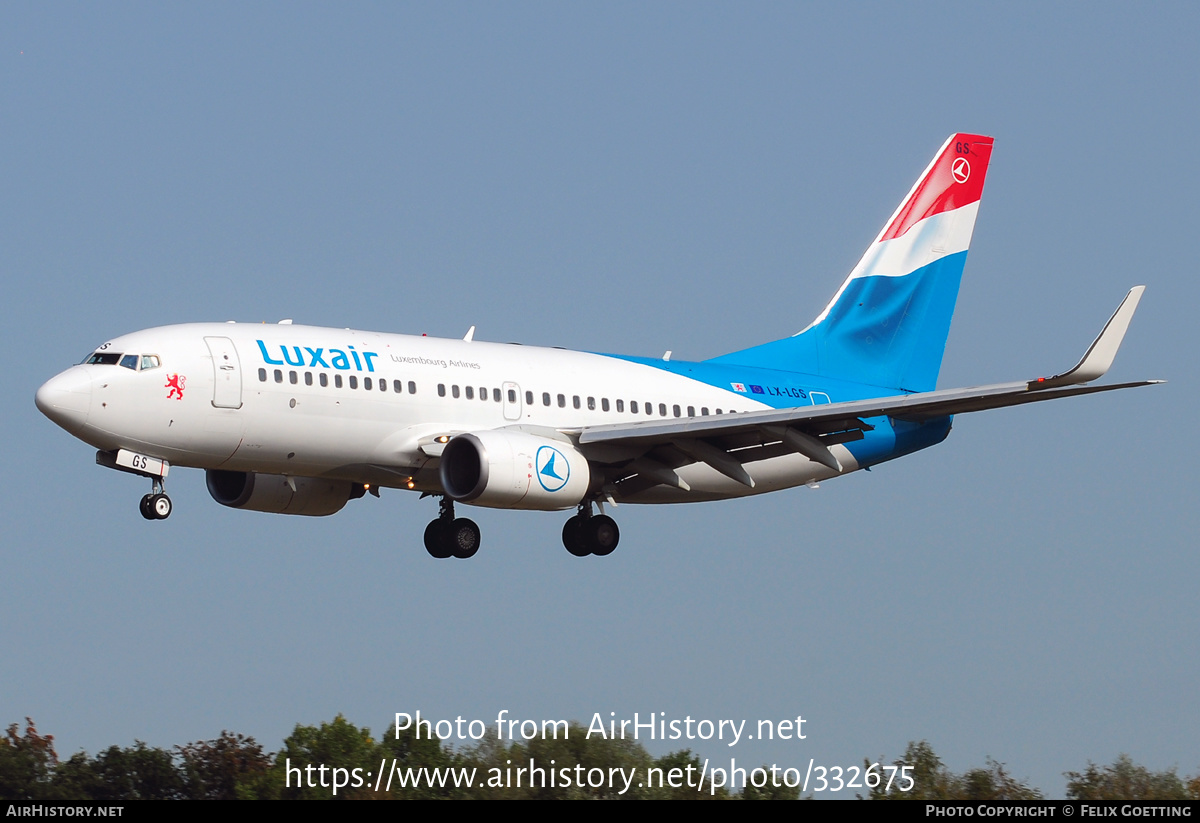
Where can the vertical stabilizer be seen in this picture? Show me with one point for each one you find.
(887, 324)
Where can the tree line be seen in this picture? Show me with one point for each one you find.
(234, 766)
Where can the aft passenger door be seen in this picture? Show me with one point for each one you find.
(227, 373)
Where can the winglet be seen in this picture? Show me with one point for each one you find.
(1100, 354)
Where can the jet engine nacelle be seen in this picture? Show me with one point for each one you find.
(272, 493)
(514, 470)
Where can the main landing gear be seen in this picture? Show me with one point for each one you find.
(156, 505)
(586, 533)
(451, 536)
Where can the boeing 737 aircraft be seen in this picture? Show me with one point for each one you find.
(300, 420)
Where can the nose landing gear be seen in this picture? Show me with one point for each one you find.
(451, 536)
(156, 505)
(586, 533)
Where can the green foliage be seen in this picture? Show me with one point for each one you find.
(571, 755)
(27, 762)
(77, 779)
(214, 769)
(1124, 780)
(411, 753)
(336, 745)
(688, 767)
(138, 772)
(772, 789)
(933, 781)
(235, 766)
(994, 783)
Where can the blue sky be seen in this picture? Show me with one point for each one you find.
(629, 178)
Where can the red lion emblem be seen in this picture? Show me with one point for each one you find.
(176, 383)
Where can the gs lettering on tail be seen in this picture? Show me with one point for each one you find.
(338, 359)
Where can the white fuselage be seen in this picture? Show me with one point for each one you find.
(371, 407)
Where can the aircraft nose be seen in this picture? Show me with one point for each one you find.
(67, 398)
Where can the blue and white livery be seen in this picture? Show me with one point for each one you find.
(300, 420)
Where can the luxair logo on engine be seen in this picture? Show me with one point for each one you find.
(553, 470)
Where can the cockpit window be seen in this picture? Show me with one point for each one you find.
(149, 361)
(104, 358)
(130, 361)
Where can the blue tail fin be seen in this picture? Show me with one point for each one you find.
(888, 323)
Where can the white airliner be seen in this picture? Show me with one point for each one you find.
(299, 419)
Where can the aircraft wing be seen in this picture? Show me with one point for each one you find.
(810, 430)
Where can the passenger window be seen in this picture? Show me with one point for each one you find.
(397, 387)
(337, 381)
(262, 375)
(308, 378)
(441, 389)
(470, 392)
(483, 394)
(366, 383)
(662, 409)
(353, 382)
(528, 398)
(591, 404)
(620, 405)
(412, 387)
(675, 409)
(454, 391)
(324, 378)
(496, 395)
(704, 411)
(545, 398)
(691, 411)
(575, 401)
(278, 376)
(604, 404)
(562, 401)
(633, 407)
(293, 378)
